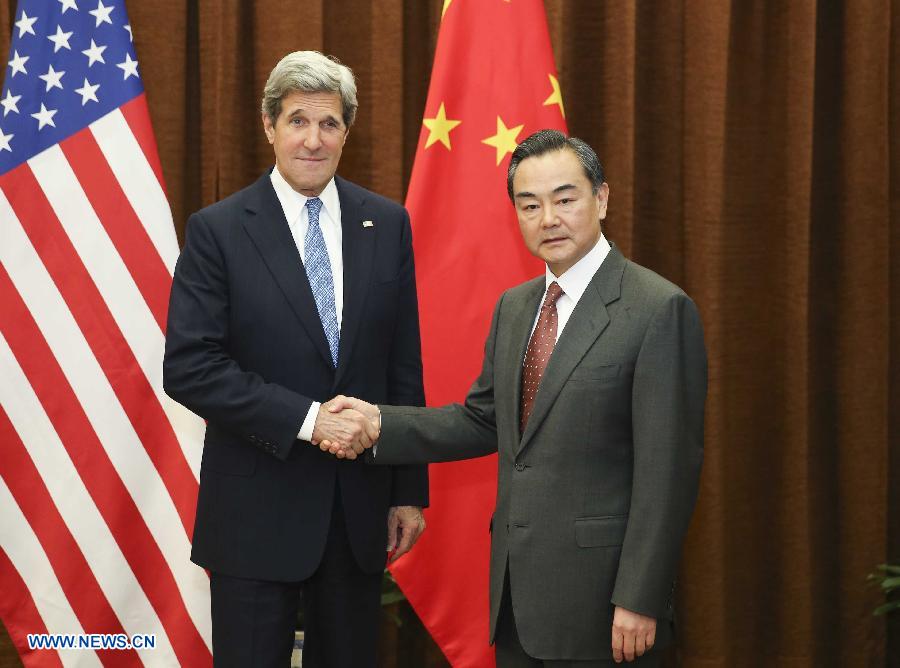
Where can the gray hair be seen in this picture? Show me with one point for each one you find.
(311, 72)
(545, 141)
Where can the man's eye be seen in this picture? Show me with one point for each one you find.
(565, 200)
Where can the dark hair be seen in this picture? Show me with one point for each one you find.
(545, 141)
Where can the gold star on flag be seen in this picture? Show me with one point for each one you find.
(555, 96)
(505, 139)
(444, 10)
(439, 128)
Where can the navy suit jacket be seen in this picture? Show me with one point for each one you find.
(246, 351)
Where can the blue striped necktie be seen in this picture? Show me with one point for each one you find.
(318, 271)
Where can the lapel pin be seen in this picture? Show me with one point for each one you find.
(368, 223)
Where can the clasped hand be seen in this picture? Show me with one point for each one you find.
(346, 427)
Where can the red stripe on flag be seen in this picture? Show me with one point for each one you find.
(120, 222)
(104, 337)
(137, 115)
(100, 477)
(76, 578)
(17, 603)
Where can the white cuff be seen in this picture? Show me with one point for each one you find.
(375, 444)
(306, 429)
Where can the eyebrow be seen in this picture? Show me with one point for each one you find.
(556, 190)
(299, 111)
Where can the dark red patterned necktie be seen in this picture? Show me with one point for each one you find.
(540, 346)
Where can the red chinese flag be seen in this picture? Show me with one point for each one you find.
(493, 84)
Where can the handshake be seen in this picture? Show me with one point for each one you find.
(346, 427)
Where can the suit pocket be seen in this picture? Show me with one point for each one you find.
(600, 531)
(604, 372)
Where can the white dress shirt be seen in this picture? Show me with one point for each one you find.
(574, 282)
(297, 215)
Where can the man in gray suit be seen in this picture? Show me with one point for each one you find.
(592, 391)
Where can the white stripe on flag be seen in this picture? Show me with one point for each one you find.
(75, 505)
(105, 414)
(116, 285)
(189, 428)
(27, 556)
(141, 187)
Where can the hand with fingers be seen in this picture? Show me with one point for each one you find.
(632, 634)
(352, 408)
(345, 432)
(405, 525)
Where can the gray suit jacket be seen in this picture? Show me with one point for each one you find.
(594, 499)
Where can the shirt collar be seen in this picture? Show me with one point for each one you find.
(293, 202)
(575, 280)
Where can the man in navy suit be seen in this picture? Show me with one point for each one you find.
(297, 288)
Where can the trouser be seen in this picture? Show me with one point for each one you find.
(254, 620)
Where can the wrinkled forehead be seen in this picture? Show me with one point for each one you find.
(321, 104)
(549, 173)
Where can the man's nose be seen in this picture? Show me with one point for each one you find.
(549, 217)
(313, 138)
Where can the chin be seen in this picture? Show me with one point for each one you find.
(556, 259)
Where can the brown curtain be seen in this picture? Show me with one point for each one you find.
(753, 156)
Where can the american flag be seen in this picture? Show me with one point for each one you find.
(98, 468)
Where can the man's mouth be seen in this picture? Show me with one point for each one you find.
(553, 240)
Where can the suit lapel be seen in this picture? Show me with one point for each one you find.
(522, 318)
(587, 322)
(267, 227)
(358, 252)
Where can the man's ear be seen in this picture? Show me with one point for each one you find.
(268, 127)
(603, 199)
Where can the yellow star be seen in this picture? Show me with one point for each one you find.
(555, 96)
(505, 139)
(444, 10)
(439, 128)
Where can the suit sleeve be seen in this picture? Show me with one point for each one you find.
(409, 486)
(668, 397)
(197, 369)
(449, 433)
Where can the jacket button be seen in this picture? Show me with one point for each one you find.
(520, 466)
